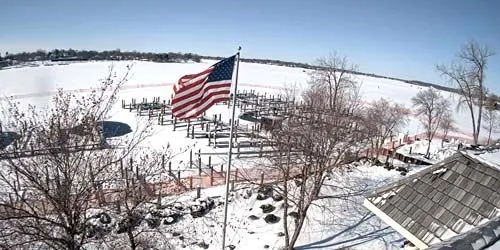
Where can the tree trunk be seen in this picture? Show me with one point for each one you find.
(298, 227)
(285, 195)
(131, 239)
(489, 134)
(474, 133)
(427, 155)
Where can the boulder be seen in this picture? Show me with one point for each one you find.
(271, 219)
(267, 208)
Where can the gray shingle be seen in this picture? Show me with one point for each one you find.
(457, 209)
(452, 178)
(464, 211)
(406, 221)
(477, 203)
(491, 182)
(476, 176)
(464, 194)
(486, 179)
(461, 193)
(440, 231)
(459, 168)
(450, 204)
(467, 172)
(471, 218)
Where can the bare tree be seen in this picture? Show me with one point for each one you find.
(56, 171)
(469, 75)
(315, 140)
(446, 126)
(491, 122)
(430, 108)
(335, 78)
(386, 119)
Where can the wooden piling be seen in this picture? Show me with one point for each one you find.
(191, 158)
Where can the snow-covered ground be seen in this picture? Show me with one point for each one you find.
(344, 225)
(151, 79)
(438, 151)
(331, 223)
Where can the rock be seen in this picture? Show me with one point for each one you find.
(267, 208)
(183, 246)
(271, 219)
(178, 206)
(181, 238)
(251, 232)
(104, 218)
(298, 183)
(294, 215)
(281, 234)
(231, 247)
(277, 197)
(129, 222)
(153, 222)
(175, 234)
(247, 194)
(266, 190)
(170, 220)
(253, 217)
(261, 197)
(266, 246)
(283, 205)
(203, 245)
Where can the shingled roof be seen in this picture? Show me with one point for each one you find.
(442, 201)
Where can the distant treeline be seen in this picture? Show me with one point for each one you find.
(309, 66)
(170, 57)
(86, 55)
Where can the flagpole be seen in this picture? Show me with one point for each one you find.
(230, 153)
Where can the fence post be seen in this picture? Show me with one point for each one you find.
(198, 192)
(191, 158)
(159, 195)
(190, 182)
(236, 175)
(222, 168)
(410, 149)
(260, 148)
(192, 132)
(121, 168)
(232, 186)
(162, 161)
(199, 164)
(179, 176)
(261, 178)
(170, 168)
(211, 177)
(215, 137)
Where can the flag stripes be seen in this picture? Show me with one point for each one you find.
(195, 93)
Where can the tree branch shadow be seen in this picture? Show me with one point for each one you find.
(330, 241)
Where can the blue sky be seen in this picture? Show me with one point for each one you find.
(399, 38)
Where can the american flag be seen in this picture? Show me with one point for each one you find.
(194, 94)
